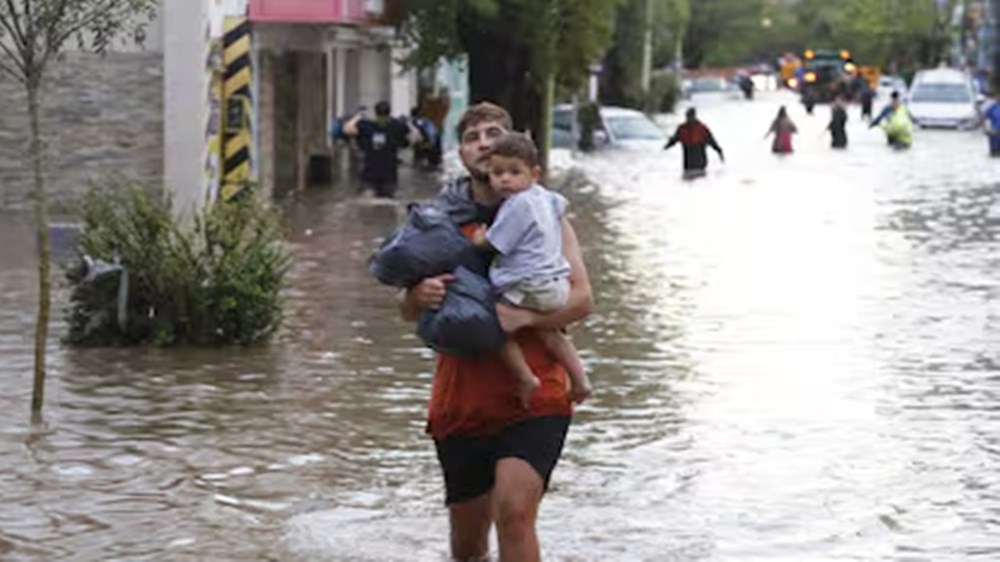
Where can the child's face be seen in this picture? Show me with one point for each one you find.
(509, 175)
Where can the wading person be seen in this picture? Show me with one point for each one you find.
(496, 455)
(783, 128)
(695, 137)
(898, 123)
(991, 123)
(838, 124)
(380, 140)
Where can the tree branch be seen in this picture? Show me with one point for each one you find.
(92, 15)
(14, 58)
(15, 74)
(13, 26)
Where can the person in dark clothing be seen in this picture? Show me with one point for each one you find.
(838, 124)
(428, 148)
(380, 139)
(694, 136)
(809, 99)
(867, 97)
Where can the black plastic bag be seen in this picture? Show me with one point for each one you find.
(429, 244)
(466, 324)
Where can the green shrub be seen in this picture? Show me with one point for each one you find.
(589, 118)
(664, 93)
(216, 281)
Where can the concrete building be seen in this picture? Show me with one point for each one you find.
(157, 107)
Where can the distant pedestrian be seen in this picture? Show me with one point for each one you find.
(991, 121)
(898, 123)
(695, 137)
(867, 97)
(838, 123)
(782, 128)
(427, 149)
(380, 139)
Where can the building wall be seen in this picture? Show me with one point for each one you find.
(185, 88)
(91, 128)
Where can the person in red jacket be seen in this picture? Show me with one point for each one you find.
(694, 136)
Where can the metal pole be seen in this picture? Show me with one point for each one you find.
(647, 48)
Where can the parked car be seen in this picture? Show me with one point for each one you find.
(619, 128)
(887, 85)
(943, 98)
(708, 87)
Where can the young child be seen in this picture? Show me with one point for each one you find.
(529, 270)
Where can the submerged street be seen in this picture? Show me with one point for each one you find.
(795, 359)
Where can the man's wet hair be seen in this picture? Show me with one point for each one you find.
(484, 112)
(691, 113)
(516, 145)
(894, 95)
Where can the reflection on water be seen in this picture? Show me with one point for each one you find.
(796, 360)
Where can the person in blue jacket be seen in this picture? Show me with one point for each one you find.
(991, 121)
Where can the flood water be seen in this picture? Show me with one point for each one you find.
(796, 359)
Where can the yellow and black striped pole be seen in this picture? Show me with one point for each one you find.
(237, 139)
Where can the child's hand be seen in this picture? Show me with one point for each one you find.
(479, 236)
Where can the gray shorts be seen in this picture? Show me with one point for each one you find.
(544, 296)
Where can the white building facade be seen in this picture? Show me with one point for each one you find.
(157, 107)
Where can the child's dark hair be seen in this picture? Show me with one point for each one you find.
(516, 145)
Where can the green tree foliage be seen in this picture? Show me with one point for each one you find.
(621, 82)
(515, 48)
(880, 32)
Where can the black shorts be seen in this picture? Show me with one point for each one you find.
(469, 463)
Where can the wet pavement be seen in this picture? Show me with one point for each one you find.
(796, 359)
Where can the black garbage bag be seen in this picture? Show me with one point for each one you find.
(466, 324)
(429, 244)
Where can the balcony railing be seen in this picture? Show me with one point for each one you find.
(316, 11)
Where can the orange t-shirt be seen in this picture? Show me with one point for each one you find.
(479, 396)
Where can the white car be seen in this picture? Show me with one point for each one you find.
(889, 84)
(619, 128)
(943, 98)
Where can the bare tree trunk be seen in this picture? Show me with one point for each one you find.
(544, 141)
(33, 87)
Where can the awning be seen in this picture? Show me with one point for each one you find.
(308, 11)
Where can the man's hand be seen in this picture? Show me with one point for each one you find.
(478, 237)
(429, 293)
(513, 318)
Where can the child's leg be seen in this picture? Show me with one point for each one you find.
(559, 345)
(527, 382)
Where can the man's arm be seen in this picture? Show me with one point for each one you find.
(673, 140)
(426, 295)
(351, 127)
(882, 115)
(715, 146)
(581, 300)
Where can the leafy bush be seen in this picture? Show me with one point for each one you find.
(215, 281)
(589, 117)
(664, 93)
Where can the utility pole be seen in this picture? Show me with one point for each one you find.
(647, 49)
(994, 19)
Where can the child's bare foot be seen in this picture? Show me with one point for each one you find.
(526, 388)
(580, 392)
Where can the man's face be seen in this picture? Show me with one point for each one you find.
(475, 144)
(510, 175)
